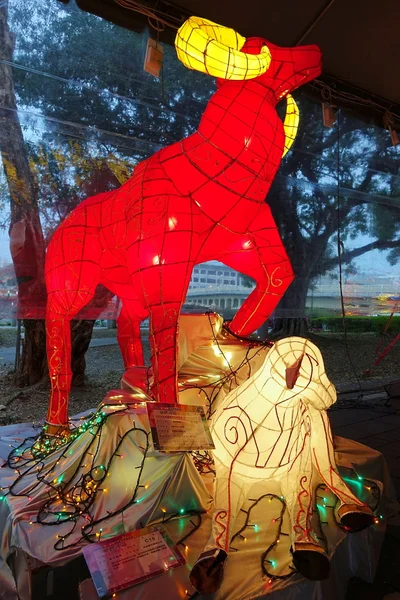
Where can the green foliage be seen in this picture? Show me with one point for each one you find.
(87, 71)
(356, 324)
(248, 281)
(85, 103)
(8, 335)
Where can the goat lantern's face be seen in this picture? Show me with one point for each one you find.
(225, 54)
(295, 366)
(289, 68)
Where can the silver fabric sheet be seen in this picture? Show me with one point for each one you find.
(172, 483)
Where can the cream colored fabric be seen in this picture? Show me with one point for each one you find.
(195, 331)
(354, 555)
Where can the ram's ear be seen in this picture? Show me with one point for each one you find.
(292, 373)
(291, 123)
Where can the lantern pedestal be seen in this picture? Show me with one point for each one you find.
(105, 478)
(352, 555)
(107, 481)
(30, 545)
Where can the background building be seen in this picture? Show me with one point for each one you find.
(215, 286)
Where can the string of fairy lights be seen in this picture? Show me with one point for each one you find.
(279, 521)
(72, 497)
(77, 501)
(323, 503)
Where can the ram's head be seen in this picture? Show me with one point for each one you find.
(223, 53)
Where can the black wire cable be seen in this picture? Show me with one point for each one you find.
(339, 252)
(78, 493)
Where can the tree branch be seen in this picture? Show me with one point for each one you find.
(317, 148)
(348, 256)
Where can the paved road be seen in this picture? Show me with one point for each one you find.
(7, 355)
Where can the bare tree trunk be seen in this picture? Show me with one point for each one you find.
(81, 332)
(27, 243)
(291, 316)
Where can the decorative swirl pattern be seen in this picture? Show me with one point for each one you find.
(280, 410)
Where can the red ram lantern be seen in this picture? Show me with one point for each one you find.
(200, 199)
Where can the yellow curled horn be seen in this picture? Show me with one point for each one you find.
(291, 123)
(213, 49)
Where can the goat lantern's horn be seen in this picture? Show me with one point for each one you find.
(213, 49)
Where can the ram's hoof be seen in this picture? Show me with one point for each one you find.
(310, 560)
(51, 430)
(354, 517)
(208, 571)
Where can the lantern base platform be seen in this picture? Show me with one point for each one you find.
(351, 555)
(103, 481)
(30, 546)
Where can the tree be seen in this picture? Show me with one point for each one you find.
(26, 236)
(86, 71)
(27, 243)
(86, 103)
(310, 207)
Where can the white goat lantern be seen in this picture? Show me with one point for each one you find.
(274, 426)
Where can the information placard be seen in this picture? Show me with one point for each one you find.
(131, 558)
(179, 427)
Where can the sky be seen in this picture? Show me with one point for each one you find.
(5, 256)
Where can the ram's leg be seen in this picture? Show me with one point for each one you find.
(62, 306)
(164, 349)
(58, 344)
(128, 333)
(230, 494)
(309, 557)
(161, 289)
(350, 511)
(72, 275)
(262, 257)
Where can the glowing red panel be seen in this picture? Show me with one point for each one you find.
(200, 199)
